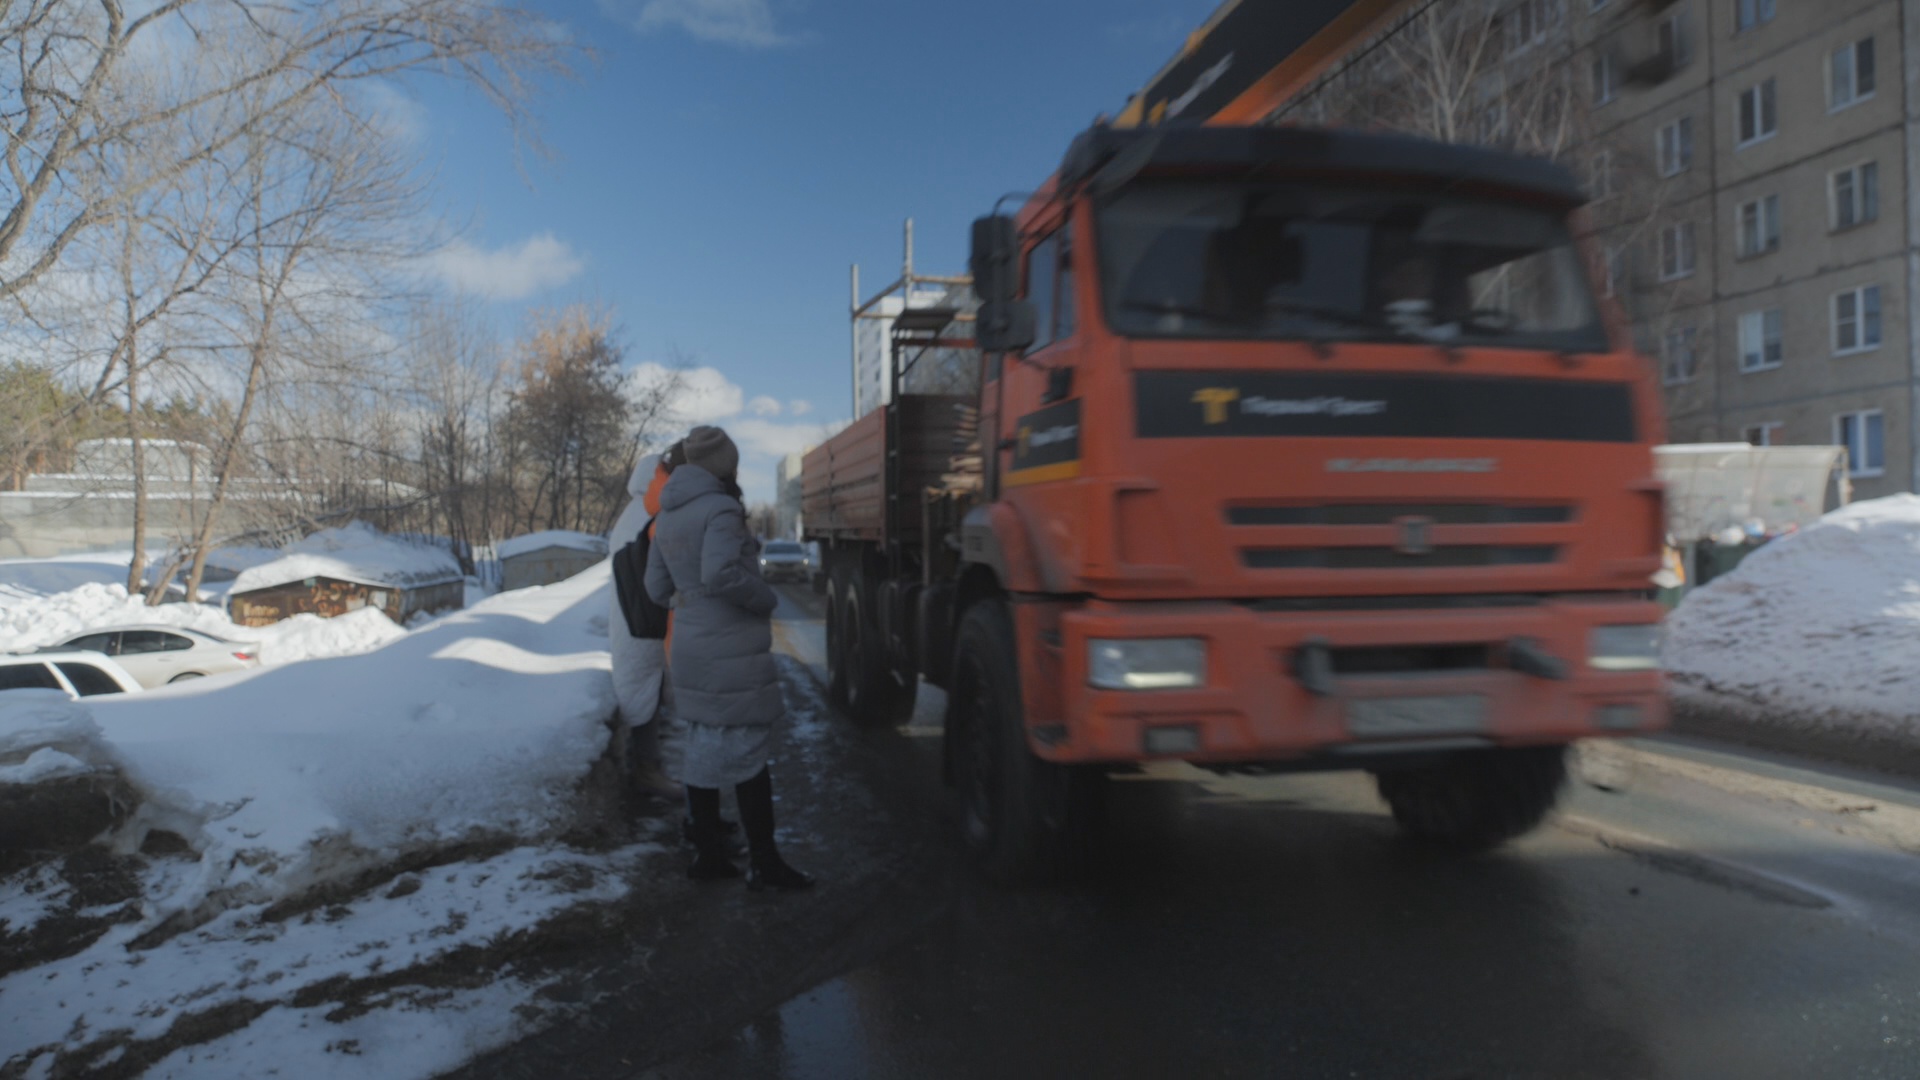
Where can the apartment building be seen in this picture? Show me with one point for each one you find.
(1750, 162)
(1753, 165)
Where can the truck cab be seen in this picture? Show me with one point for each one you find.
(1302, 449)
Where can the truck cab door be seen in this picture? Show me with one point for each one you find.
(1040, 413)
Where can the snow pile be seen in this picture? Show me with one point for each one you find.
(370, 987)
(1822, 625)
(25, 578)
(358, 553)
(311, 637)
(564, 538)
(481, 725)
(28, 622)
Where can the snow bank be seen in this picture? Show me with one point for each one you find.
(482, 724)
(28, 622)
(358, 553)
(566, 538)
(385, 956)
(1822, 627)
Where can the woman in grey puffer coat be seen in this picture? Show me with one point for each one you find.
(726, 688)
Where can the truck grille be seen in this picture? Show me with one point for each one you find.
(1452, 556)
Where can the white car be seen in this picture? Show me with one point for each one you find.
(72, 672)
(157, 655)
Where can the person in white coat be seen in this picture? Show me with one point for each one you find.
(639, 663)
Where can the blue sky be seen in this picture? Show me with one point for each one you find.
(724, 161)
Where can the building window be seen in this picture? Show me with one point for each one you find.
(1850, 72)
(1529, 22)
(1603, 88)
(1748, 14)
(1681, 359)
(1856, 195)
(1674, 146)
(1766, 434)
(1674, 43)
(1613, 271)
(1760, 340)
(1601, 182)
(1757, 117)
(1676, 251)
(1757, 226)
(1864, 435)
(1856, 320)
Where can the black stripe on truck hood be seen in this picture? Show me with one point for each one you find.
(1199, 404)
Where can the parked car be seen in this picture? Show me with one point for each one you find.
(157, 655)
(73, 672)
(783, 560)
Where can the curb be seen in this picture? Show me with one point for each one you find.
(1728, 719)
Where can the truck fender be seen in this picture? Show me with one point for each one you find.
(996, 536)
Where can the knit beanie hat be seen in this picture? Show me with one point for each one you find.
(675, 456)
(713, 450)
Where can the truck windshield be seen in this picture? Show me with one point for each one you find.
(1199, 259)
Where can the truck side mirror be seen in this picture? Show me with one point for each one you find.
(1003, 324)
(995, 258)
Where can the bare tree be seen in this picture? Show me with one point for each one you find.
(82, 78)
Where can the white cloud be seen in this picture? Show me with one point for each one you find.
(699, 395)
(705, 395)
(396, 112)
(747, 24)
(538, 263)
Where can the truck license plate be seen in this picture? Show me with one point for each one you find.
(1448, 714)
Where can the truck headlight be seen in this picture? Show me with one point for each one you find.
(1146, 663)
(1624, 648)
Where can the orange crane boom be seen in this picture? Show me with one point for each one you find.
(1251, 56)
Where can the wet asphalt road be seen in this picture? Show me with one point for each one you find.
(1277, 927)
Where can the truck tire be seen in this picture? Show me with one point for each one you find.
(1024, 820)
(875, 697)
(1477, 800)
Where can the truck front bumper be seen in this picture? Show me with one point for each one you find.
(1282, 686)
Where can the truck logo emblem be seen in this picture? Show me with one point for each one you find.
(1213, 401)
(1416, 535)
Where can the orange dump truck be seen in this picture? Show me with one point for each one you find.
(1293, 449)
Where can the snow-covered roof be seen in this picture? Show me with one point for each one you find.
(564, 538)
(358, 553)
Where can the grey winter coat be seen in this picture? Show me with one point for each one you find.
(639, 665)
(704, 564)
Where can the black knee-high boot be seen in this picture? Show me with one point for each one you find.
(712, 860)
(765, 868)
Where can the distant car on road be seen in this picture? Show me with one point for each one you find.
(72, 672)
(783, 560)
(157, 655)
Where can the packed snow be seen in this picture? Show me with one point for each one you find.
(473, 733)
(563, 538)
(1823, 624)
(358, 553)
(430, 923)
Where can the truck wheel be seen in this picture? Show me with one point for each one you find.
(874, 697)
(1476, 800)
(1024, 820)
